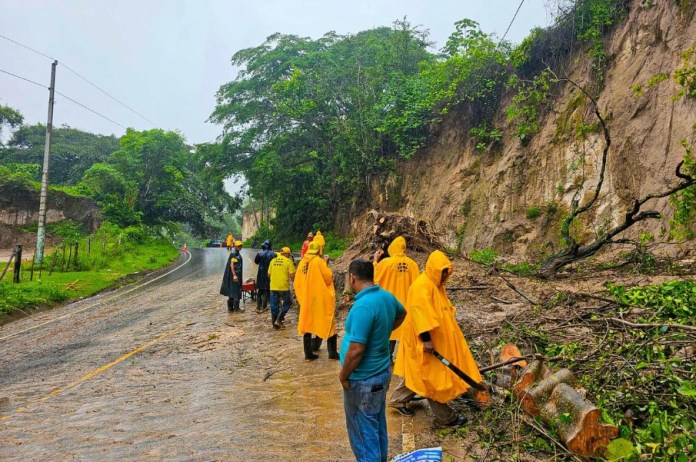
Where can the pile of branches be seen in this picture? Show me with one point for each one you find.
(636, 360)
(378, 229)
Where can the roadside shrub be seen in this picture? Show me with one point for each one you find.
(485, 256)
(533, 212)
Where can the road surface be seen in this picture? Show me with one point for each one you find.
(161, 370)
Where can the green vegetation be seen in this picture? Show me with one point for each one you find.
(522, 269)
(485, 256)
(104, 258)
(150, 177)
(526, 104)
(638, 370)
(533, 212)
(485, 138)
(10, 117)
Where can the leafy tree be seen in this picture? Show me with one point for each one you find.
(9, 116)
(301, 120)
(73, 151)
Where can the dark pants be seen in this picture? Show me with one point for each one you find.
(278, 296)
(263, 298)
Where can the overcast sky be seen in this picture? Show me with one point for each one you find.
(167, 58)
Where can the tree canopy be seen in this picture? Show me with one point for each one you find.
(73, 151)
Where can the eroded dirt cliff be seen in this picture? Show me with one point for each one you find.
(482, 198)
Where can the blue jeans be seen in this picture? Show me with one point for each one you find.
(366, 419)
(276, 297)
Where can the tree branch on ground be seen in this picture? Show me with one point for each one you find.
(573, 250)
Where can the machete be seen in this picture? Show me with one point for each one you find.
(471, 382)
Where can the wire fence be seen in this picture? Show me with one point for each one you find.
(85, 254)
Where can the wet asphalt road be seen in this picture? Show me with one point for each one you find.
(161, 371)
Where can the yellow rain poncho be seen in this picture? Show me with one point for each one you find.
(319, 239)
(395, 274)
(429, 310)
(316, 295)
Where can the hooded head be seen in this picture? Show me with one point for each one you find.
(266, 245)
(436, 264)
(313, 248)
(397, 248)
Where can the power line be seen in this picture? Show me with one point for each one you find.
(24, 78)
(91, 110)
(113, 98)
(83, 78)
(513, 20)
(66, 97)
(28, 48)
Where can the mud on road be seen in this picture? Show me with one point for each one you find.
(162, 371)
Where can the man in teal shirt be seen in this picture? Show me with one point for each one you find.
(365, 359)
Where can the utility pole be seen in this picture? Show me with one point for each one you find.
(41, 232)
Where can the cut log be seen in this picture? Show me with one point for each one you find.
(577, 422)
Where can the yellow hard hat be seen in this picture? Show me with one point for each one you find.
(238, 243)
(285, 250)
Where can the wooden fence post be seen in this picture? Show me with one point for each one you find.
(31, 273)
(75, 262)
(18, 263)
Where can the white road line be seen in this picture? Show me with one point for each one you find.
(108, 299)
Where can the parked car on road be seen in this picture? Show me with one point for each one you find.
(215, 243)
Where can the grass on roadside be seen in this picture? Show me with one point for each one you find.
(106, 268)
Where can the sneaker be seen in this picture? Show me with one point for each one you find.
(278, 325)
(312, 357)
(403, 410)
(458, 422)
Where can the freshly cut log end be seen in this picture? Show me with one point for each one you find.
(530, 375)
(577, 422)
(553, 397)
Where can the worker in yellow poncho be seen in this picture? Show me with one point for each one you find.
(395, 274)
(229, 241)
(316, 295)
(431, 325)
(319, 239)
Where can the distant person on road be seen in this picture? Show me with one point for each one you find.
(431, 326)
(305, 244)
(232, 279)
(366, 362)
(280, 271)
(316, 295)
(263, 283)
(229, 241)
(319, 239)
(395, 274)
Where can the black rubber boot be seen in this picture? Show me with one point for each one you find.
(307, 343)
(316, 343)
(230, 305)
(331, 345)
(236, 305)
